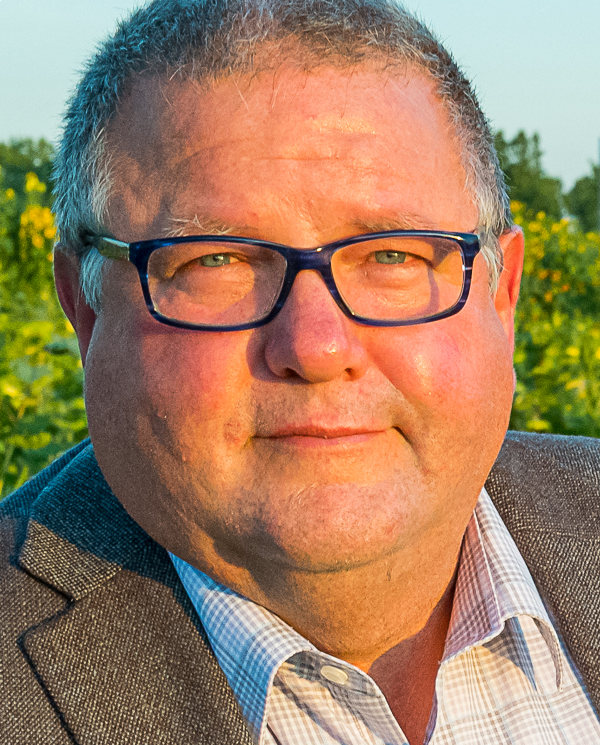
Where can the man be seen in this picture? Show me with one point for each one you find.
(286, 252)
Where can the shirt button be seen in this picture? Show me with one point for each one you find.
(334, 675)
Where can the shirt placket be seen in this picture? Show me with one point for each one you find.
(339, 704)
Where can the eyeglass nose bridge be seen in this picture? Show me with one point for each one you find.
(312, 259)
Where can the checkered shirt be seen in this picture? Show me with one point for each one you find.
(504, 677)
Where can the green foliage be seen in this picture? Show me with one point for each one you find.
(583, 201)
(41, 409)
(521, 161)
(557, 355)
(20, 157)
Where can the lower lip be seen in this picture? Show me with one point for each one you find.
(310, 441)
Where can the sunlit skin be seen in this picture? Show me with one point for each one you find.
(324, 469)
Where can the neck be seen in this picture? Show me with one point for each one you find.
(406, 674)
(391, 623)
(356, 614)
(389, 617)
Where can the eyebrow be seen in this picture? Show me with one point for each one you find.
(404, 221)
(209, 225)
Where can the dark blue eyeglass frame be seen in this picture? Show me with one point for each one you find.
(297, 260)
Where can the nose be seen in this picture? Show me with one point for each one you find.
(311, 338)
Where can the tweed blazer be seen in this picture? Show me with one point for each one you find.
(100, 645)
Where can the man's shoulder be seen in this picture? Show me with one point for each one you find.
(96, 629)
(547, 490)
(26, 603)
(19, 503)
(18, 508)
(67, 521)
(67, 529)
(580, 453)
(548, 480)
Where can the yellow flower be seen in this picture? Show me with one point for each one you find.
(578, 384)
(9, 390)
(32, 183)
(538, 425)
(10, 193)
(37, 226)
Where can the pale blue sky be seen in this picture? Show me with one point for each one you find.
(535, 63)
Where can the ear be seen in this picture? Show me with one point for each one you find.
(512, 245)
(68, 289)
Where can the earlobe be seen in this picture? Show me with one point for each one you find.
(70, 295)
(513, 245)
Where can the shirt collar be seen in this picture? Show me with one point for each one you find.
(251, 643)
(494, 584)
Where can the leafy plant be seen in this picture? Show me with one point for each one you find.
(41, 407)
(557, 355)
(521, 161)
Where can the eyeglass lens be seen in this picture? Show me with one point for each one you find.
(395, 278)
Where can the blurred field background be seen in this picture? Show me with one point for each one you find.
(557, 356)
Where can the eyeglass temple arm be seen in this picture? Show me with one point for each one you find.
(111, 248)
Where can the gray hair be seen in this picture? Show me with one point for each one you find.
(204, 39)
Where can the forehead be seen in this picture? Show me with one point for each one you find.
(347, 141)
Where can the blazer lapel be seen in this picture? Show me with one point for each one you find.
(549, 498)
(127, 659)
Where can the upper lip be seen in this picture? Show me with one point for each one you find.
(327, 433)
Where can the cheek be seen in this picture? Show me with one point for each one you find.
(164, 389)
(452, 380)
(198, 387)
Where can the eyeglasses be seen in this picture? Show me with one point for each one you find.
(228, 283)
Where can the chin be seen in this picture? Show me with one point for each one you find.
(319, 529)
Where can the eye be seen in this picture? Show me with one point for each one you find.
(214, 260)
(390, 257)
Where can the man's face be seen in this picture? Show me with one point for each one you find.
(312, 443)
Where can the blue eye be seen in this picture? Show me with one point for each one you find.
(390, 257)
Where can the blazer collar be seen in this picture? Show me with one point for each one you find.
(79, 535)
(127, 659)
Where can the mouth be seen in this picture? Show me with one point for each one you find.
(307, 436)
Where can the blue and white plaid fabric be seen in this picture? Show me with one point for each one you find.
(504, 678)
